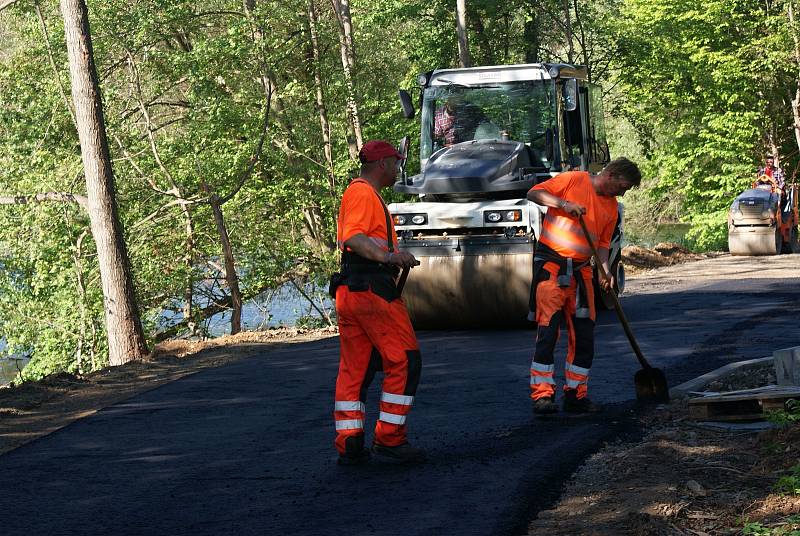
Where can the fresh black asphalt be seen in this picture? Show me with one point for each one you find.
(247, 448)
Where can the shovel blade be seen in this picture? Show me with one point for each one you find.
(651, 386)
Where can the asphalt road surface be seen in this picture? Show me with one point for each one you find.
(247, 448)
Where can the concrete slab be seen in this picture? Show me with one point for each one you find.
(787, 366)
(698, 383)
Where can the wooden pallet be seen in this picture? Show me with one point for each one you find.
(745, 405)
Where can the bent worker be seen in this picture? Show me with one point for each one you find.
(375, 331)
(563, 290)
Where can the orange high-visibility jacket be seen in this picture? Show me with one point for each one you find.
(366, 215)
(562, 232)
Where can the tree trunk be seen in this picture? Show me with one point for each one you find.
(464, 59)
(126, 340)
(231, 278)
(568, 37)
(531, 34)
(320, 97)
(796, 99)
(188, 261)
(582, 41)
(342, 10)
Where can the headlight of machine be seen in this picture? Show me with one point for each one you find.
(408, 219)
(497, 216)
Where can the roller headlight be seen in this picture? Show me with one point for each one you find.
(422, 79)
(497, 216)
(409, 219)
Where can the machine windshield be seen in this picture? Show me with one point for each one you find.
(518, 111)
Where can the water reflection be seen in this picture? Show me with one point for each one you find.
(281, 307)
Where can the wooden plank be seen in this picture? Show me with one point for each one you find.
(739, 407)
(770, 391)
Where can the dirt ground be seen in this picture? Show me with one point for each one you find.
(638, 259)
(678, 479)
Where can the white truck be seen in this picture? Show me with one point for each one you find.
(508, 128)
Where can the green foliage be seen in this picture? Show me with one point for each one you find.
(787, 416)
(790, 526)
(184, 95)
(702, 85)
(790, 484)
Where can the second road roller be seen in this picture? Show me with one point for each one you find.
(763, 220)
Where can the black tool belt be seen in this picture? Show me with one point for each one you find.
(567, 269)
(360, 274)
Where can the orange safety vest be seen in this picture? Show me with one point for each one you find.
(562, 232)
(363, 212)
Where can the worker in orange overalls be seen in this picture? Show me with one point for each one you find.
(375, 331)
(562, 281)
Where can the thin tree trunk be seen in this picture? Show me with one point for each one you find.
(126, 340)
(188, 261)
(568, 20)
(464, 59)
(231, 278)
(531, 34)
(347, 50)
(324, 125)
(584, 48)
(796, 99)
(82, 301)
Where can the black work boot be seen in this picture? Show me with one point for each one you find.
(573, 404)
(545, 405)
(403, 453)
(354, 451)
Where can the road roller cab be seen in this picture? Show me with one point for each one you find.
(763, 220)
(488, 134)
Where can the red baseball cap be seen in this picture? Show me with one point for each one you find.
(375, 150)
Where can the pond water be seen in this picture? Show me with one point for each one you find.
(282, 307)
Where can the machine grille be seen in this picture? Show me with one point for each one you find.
(751, 211)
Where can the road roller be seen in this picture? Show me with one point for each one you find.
(487, 135)
(763, 220)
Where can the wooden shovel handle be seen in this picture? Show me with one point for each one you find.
(617, 307)
(402, 281)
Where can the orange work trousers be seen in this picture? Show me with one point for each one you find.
(555, 305)
(374, 335)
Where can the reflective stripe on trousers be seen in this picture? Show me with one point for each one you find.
(555, 305)
(374, 335)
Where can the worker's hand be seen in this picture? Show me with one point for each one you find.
(573, 209)
(606, 283)
(403, 259)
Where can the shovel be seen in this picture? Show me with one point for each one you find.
(650, 382)
(403, 276)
